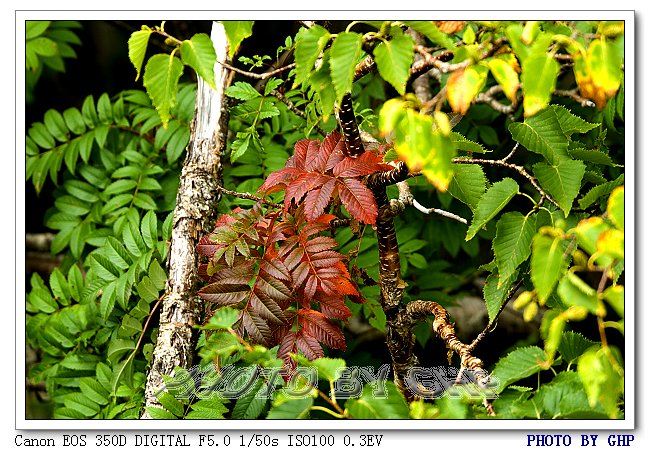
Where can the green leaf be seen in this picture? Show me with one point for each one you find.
(211, 408)
(92, 389)
(571, 123)
(462, 143)
(575, 292)
(248, 406)
(573, 344)
(81, 190)
(147, 290)
(199, 54)
(68, 413)
(55, 124)
(512, 243)
(291, 409)
(81, 404)
(321, 83)
(507, 77)
(43, 46)
(242, 91)
(600, 191)
(103, 267)
(74, 120)
(344, 54)
(491, 203)
(107, 301)
(118, 347)
(538, 77)
(417, 143)
(59, 286)
(616, 208)
(603, 384)
(104, 111)
(561, 181)
(518, 364)
(223, 318)
(468, 184)
(329, 369)
(170, 403)
(157, 275)
(431, 31)
(310, 42)
(138, 47)
(371, 406)
(237, 31)
(547, 263)
(159, 413)
(149, 228)
(89, 112)
(161, 76)
(34, 28)
(594, 156)
(40, 134)
(495, 292)
(394, 60)
(542, 134)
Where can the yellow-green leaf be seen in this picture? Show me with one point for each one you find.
(616, 207)
(506, 76)
(547, 263)
(463, 85)
(138, 47)
(538, 77)
(199, 54)
(161, 76)
(491, 203)
(394, 60)
(344, 54)
(237, 31)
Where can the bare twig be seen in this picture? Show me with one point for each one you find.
(488, 98)
(257, 76)
(440, 212)
(248, 196)
(364, 67)
(574, 95)
(490, 326)
(503, 163)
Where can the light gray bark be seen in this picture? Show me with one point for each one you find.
(196, 202)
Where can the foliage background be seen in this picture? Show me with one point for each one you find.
(482, 118)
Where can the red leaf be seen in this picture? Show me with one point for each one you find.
(326, 151)
(275, 268)
(320, 243)
(308, 345)
(311, 158)
(273, 288)
(318, 326)
(257, 328)
(333, 306)
(326, 258)
(336, 156)
(365, 164)
(358, 200)
(294, 258)
(301, 185)
(300, 273)
(317, 200)
(266, 308)
(297, 160)
(224, 294)
(239, 274)
(310, 287)
(281, 178)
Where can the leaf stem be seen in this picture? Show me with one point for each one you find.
(328, 411)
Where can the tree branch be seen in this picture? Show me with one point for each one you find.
(573, 95)
(503, 163)
(248, 196)
(195, 203)
(257, 76)
(488, 98)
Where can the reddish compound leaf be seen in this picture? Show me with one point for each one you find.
(278, 180)
(308, 345)
(257, 328)
(316, 201)
(301, 185)
(365, 164)
(358, 200)
(297, 160)
(322, 329)
(224, 294)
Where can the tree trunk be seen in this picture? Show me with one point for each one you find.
(195, 204)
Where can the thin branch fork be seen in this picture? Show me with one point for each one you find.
(247, 196)
(257, 76)
(488, 97)
(574, 95)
